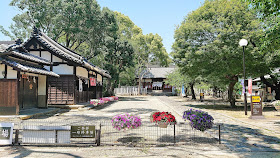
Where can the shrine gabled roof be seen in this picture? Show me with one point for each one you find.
(64, 52)
(25, 68)
(158, 72)
(19, 51)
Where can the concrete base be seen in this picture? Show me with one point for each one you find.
(256, 117)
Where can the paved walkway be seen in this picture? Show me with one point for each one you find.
(240, 139)
(238, 135)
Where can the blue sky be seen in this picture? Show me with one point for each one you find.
(153, 16)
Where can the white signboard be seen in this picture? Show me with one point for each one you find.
(6, 133)
(80, 85)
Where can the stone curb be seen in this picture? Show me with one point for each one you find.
(25, 117)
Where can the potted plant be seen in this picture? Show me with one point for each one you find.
(199, 120)
(124, 121)
(163, 118)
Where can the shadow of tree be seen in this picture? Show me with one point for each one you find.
(131, 139)
(134, 110)
(240, 138)
(132, 99)
(21, 151)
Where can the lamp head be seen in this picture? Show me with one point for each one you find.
(243, 42)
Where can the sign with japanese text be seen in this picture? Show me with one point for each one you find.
(6, 133)
(80, 85)
(92, 81)
(250, 86)
(256, 106)
(82, 131)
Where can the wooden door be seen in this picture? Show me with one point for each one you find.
(29, 92)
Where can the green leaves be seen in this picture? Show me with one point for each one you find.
(206, 43)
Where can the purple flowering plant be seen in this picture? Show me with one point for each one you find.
(124, 121)
(199, 120)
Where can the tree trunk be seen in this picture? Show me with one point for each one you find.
(231, 97)
(186, 92)
(192, 90)
(139, 85)
(215, 92)
(109, 87)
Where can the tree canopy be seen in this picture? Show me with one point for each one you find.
(206, 42)
(108, 39)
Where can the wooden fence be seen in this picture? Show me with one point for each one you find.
(130, 91)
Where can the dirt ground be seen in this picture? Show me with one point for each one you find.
(242, 137)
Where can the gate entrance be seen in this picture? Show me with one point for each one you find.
(28, 92)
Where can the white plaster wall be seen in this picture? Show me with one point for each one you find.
(56, 59)
(11, 74)
(63, 69)
(46, 55)
(37, 53)
(99, 78)
(82, 72)
(42, 83)
(2, 68)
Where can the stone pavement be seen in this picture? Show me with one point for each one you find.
(238, 135)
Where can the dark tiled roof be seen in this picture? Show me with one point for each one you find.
(158, 72)
(25, 68)
(19, 51)
(64, 52)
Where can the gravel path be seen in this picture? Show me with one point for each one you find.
(239, 139)
(239, 136)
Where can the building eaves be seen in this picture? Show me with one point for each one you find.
(65, 52)
(15, 50)
(29, 69)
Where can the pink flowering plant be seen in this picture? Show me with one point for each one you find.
(199, 120)
(124, 121)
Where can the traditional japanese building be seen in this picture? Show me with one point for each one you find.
(154, 79)
(79, 80)
(22, 79)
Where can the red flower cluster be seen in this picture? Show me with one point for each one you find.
(164, 117)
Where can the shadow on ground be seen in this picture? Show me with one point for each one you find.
(134, 110)
(132, 99)
(21, 151)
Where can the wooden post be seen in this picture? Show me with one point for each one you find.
(16, 137)
(174, 134)
(219, 134)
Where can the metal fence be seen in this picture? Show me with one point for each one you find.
(130, 91)
(44, 132)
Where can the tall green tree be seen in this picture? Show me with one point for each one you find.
(148, 48)
(268, 11)
(206, 42)
(69, 22)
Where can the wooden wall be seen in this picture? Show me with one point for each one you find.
(9, 97)
(61, 90)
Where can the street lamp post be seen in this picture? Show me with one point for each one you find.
(243, 43)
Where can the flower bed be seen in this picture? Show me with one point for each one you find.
(104, 100)
(200, 120)
(124, 121)
(163, 117)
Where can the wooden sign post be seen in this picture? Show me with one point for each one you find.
(256, 107)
